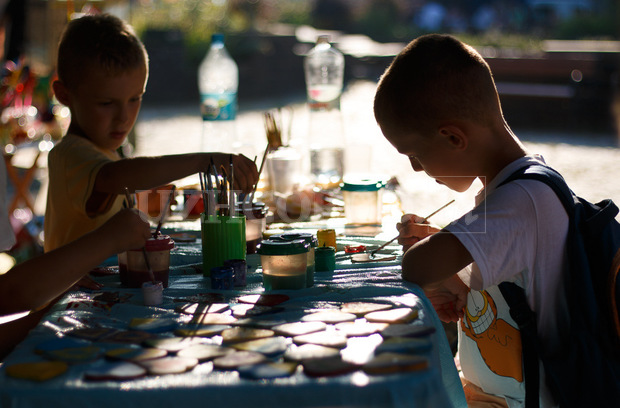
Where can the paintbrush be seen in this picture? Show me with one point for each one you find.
(260, 170)
(210, 194)
(146, 258)
(202, 179)
(164, 212)
(246, 196)
(232, 204)
(422, 222)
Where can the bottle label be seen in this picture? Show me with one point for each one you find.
(220, 106)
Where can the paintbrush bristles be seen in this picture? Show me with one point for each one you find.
(272, 128)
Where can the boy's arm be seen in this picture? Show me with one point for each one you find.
(434, 259)
(433, 263)
(40, 280)
(144, 173)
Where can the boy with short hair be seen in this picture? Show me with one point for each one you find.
(438, 105)
(102, 74)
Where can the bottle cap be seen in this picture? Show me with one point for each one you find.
(279, 246)
(217, 38)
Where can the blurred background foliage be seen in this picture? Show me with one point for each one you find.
(514, 23)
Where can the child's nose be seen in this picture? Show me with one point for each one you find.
(123, 113)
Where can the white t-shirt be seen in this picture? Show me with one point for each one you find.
(516, 233)
(7, 237)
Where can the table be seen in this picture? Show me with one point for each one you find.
(437, 386)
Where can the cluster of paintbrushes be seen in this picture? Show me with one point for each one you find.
(218, 193)
(274, 127)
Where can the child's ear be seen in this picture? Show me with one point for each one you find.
(61, 92)
(454, 136)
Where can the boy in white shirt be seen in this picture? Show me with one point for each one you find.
(438, 105)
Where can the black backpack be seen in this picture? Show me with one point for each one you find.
(585, 371)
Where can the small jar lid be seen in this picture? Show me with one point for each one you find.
(161, 243)
(363, 184)
(222, 271)
(279, 246)
(293, 236)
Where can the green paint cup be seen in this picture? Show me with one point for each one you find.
(223, 238)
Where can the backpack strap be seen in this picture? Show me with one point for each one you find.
(551, 178)
(514, 295)
(526, 320)
(614, 295)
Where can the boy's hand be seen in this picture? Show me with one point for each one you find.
(448, 298)
(246, 173)
(412, 229)
(128, 229)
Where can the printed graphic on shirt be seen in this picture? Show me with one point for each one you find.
(498, 342)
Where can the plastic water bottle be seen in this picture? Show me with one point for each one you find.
(324, 71)
(218, 80)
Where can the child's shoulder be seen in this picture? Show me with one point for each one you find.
(72, 145)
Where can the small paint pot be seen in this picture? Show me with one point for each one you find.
(325, 259)
(352, 249)
(239, 270)
(222, 277)
(284, 264)
(153, 293)
(312, 242)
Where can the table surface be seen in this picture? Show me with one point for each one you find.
(115, 306)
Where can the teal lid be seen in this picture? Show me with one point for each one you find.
(293, 236)
(279, 246)
(363, 184)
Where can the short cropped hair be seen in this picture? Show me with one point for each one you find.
(103, 41)
(435, 78)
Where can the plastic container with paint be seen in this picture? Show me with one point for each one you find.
(284, 264)
(132, 266)
(312, 241)
(363, 200)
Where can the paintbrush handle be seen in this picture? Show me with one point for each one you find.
(436, 211)
(260, 170)
(148, 264)
(128, 198)
(164, 212)
(385, 244)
